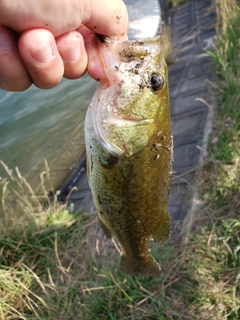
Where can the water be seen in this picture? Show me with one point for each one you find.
(44, 124)
(144, 18)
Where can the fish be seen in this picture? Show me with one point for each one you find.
(129, 149)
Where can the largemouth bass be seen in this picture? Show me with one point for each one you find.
(129, 150)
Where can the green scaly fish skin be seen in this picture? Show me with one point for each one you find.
(129, 150)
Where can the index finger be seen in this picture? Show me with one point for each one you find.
(107, 17)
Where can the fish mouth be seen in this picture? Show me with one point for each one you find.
(130, 49)
(120, 129)
(128, 55)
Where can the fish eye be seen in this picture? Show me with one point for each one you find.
(156, 81)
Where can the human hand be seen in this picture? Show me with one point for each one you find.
(43, 40)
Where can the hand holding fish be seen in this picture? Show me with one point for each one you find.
(42, 41)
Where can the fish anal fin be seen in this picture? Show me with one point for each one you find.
(146, 266)
(105, 228)
(162, 231)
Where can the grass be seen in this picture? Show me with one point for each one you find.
(56, 265)
(61, 267)
(224, 146)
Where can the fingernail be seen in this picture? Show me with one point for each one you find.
(44, 53)
(6, 42)
(73, 51)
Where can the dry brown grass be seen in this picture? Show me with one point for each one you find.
(225, 9)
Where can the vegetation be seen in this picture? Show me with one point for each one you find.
(176, 3)
(56, 265)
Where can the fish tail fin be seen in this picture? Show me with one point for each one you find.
(146, 266)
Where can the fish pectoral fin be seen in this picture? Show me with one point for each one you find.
(146, 266)
(105, 228)
(88, 169)
(162, 232)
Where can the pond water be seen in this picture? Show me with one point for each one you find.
(44, 124)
